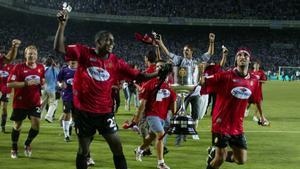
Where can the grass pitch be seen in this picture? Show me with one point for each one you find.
(274, 147)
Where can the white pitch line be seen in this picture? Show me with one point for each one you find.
(55, 126)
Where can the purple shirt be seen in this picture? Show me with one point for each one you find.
(66, 76)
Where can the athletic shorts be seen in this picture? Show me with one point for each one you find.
(68, 107)
(86, 123)
(155, 123)
(222, 141)
(4, 97)
(21, 114)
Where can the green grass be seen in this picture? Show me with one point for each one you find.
(274, 147)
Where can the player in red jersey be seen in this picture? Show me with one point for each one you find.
(26, 79)
(98, 69)
(5, 69)
(155, 103)
(4, 73)
(234, 89)
(261, 76)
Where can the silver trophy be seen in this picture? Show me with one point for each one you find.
(185, 79)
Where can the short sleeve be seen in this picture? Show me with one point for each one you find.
(205, 57)
(176, 59)
(214, 82)
(125, 72)
(75, 52)
(144, 92)
(14, 75)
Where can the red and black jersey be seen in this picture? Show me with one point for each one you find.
(29, 96)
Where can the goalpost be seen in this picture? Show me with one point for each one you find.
(289, 73)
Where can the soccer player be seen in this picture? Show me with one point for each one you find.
(155, 103)
(26, 79)
(5, 69)
(98, 69)
(234, 89)
(65, 79)
(261, 76)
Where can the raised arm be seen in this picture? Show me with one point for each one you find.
(163, 47)
(224, 56)
(201, 74)
(12, 53)
(59, 44)
(211, 47)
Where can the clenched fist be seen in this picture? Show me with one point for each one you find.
(16, 43)
(211, 37)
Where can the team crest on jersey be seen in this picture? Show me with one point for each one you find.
(3, 74)
(98, 73)
(70, 81)
(32, 77)
(251, 83)
(241, 92)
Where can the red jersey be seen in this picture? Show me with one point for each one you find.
(233, 93)
(261, 76)
(4, 73)
(94, 78)
(1, 67)
(151, 68)
(210, 70)
(27, 97)
(160, 104)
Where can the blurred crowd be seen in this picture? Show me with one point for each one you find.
(229, 9)
(272, 47)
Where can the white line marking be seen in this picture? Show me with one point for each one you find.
(55, 126)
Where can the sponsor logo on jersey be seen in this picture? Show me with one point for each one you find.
(98, 73)
(32, 77)
(70, 81)
(164, 93)
(241, 92)
(3, 73)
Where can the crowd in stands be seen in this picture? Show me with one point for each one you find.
(40, 31)
(229, 9)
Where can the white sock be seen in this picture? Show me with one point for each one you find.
(161, 161)
(66, 127)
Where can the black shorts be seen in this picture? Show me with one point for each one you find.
(4, 97)
(86, 124)
(21, 114)
(68, 107)
(221, 140)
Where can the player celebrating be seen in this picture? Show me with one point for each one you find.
(155, 103)
(5, 69)
(234, 89)
(65, 79)
(261, 76)
(98, 69)
(26, 79)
